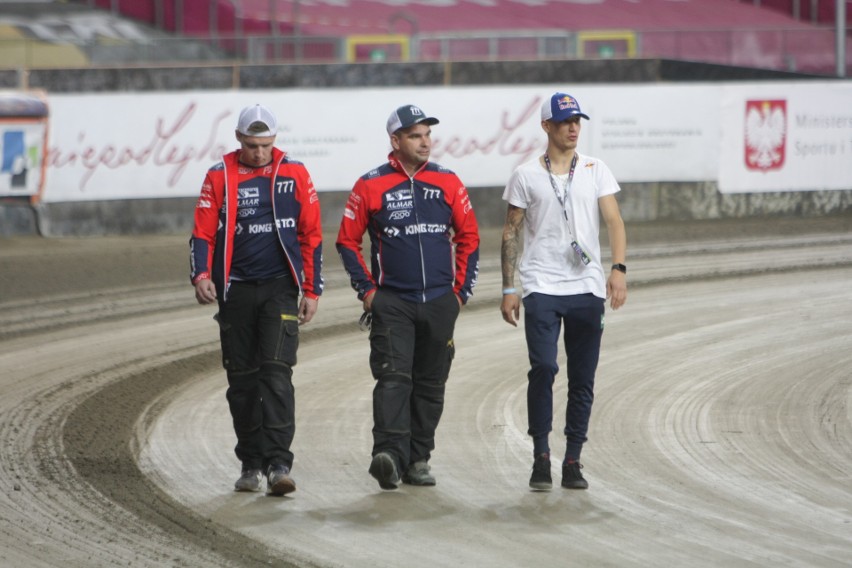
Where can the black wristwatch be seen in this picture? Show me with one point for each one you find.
(620, 267)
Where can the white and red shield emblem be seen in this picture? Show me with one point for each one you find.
(765, 134)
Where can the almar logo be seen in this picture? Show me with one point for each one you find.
(765, 134)
(602, 321)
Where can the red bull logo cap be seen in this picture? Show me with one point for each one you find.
(560, 107)
(408, 115)
(257, 120)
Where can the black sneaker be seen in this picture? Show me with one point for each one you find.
(540, 479)
(278, 480)
(419, 474)
(249, 480)
(572, 478)
(383, 468)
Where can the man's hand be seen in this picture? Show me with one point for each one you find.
(368, 301)
(307, 309)
(205, 291)
(511, 308)
(616, 289)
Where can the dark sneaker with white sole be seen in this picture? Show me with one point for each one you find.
(278, 480)
(540, 480)
(383, 469)
(572, 477)
(249, 480)
(419, 474)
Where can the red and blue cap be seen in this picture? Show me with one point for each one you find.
(561, 107)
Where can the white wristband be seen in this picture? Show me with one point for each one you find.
(510, 291)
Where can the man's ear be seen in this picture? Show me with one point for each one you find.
(238, 136)
(394, 140)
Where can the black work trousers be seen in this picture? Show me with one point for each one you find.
(411, 350)
(259, 332)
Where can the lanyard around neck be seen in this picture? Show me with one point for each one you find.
(561, 196)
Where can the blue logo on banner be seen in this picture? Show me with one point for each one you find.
(14, 158)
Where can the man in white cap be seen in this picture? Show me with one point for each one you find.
(256, 249)
(423, 265)
(557, 200)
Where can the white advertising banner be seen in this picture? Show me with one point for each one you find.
(21, 155)
(653, 133)
(131, 146)
(750, 137)
(786, 136)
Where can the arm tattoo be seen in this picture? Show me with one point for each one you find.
(511, 244)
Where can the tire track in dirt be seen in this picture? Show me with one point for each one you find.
(73, 494)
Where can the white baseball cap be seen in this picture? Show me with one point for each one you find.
(257, 120)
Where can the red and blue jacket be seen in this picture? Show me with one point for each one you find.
(414, 224)
(296, 210)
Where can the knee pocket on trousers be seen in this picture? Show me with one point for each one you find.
(447, 361)
(226, 342)
(437, 369)
(381, 353)
(288, 341)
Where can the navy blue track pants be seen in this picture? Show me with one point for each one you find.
(583, 319)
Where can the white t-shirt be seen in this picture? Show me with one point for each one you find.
(549, 264)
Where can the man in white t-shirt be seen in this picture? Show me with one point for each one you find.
(558, 199)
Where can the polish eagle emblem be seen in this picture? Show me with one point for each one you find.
(765, 134)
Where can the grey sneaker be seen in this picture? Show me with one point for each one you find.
(249, 480)
(540, 480)
(278, 480)
(418, 474)
(383, 468)
(572, 478)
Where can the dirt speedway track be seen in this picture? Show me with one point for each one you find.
(721, 433)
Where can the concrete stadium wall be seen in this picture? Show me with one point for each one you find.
(639, 203)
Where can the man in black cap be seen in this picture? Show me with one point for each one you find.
(424, 260)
